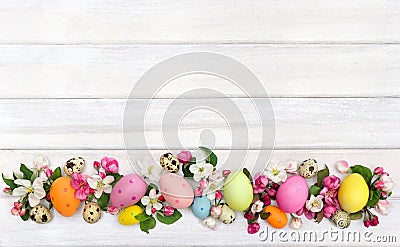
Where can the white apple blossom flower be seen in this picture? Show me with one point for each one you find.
(41, 162)
(210, 222)
(216, 182)
(149, 170)
(100, 185)
(276, 173)
(257, 207)
(315, 203)
(34, 190)
(151, 201)
(201, 170)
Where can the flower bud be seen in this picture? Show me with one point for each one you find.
(378, 170)
(342, 166)
(216, 211)
(184, 157)
(296, 223)
(168, 211)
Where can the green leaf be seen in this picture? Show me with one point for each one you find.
(314, 190)
(26, 171)
(374, 196)
(365, 172)
(150, 187)
(247, 173)
(321, 175)
(389, 194)
(9, 182)
(147, 224)
(168, 220)
(186, 172)
(26, 216)
(212, 158)
(46, 187)
(356, 216)
(264, 215)
(192, 161)
(117, 177)
(56, 174)
(142, 216)
(103, 201)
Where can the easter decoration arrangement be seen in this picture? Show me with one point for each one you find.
(289, 188)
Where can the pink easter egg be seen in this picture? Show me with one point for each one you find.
(128, 191)
(176, 191)
(292, 194)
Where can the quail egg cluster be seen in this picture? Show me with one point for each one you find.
(308, 168)
(74, 165)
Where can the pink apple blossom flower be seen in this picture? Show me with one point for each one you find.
(168, 211)
(342, 166)
(203, 184)
(226, 173)
(309, 214)
(382, 207)
(291, 166)
(79, 183)
(378, 170)
(248, 216)
(329, 211)
(17, 210)
(49, 172)
(271, 192)
(253, 228)
(218, 195)
(332, 182)
(296, 223)
(112, 210)
(379, 185)
(388, 182)
(216, 211)
(266, 200)
(96, 165)
(198, 192)
(260, 182)
(7, 191)
(110, 165)
(184, 157)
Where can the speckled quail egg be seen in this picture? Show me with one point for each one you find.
(227, 216)
(308, 168)
(341, 219)
(74, 165)
(169, 162)
(40, 214)
(91, 212)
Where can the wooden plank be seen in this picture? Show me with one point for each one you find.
(189, 228)
(67, 71)
(88, 21)
(301, 123)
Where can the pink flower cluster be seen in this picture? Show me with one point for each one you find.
(18, 210)
(329, 192)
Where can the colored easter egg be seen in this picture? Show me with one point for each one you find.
(238, 192)
(277, 218)
(353, 193)
(127, 215)
(176, 190)
(62, 196)
(201, 207)
(292, 194)
(128, 191)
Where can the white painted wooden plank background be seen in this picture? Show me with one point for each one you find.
(87, 71)
(332, 68)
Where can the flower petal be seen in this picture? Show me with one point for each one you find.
(152, 193)
(33, 201)
(23, 182)
(98, 193)
(20, 191)
(148, 209)
(145, 200)
(107, 188)
(39, 193)
(108, 180)
(157, 205)
(92, 182)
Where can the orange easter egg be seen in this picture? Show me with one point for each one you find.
(63, 198)
(277, 217)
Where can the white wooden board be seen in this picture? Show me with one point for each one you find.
(87, 71)
(126, 22)
(300, 123)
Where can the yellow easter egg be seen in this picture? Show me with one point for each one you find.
(238, 192)
(353, 193)
(127, 215)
